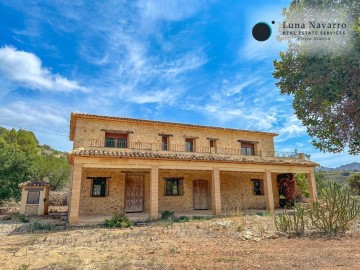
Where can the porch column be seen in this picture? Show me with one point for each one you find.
(215, 192)
(269, 191)
(154, 192)
(312, 186)
(75, 194)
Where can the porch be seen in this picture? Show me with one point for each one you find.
(217, 191)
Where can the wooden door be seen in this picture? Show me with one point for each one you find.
(134, 193)
(200, 191)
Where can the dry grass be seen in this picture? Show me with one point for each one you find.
(244, 242)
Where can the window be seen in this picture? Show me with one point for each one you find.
(118, 140)
(173, 186)
(164, 142)
(189, 145)
(212, 143)
(33, 197)
(99, 187)
(247, 149)
(258, 186)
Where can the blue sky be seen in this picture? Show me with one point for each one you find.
(184, 61)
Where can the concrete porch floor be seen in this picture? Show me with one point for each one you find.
(143, 216)
(139, 217)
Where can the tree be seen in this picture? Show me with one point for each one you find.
(354, 183)
(54, 169)
(14, 169)
(325, 83)
(302, 184)
(320, 182)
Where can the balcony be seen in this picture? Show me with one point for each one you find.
(126, 146)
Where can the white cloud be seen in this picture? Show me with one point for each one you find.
(26, 69)
(34, 115)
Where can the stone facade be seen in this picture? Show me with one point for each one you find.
(92, 131)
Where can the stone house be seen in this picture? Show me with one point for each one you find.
(146, 167)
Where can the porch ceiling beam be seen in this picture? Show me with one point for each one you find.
(188, 168)
(290, 170)
(229, 169)
(117, 166)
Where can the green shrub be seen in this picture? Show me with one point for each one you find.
(118, 220)
(354, 183)
(22, 218)
(39, 226)
(183, 219)
(167, 215)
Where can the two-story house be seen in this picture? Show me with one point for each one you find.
(147, 167)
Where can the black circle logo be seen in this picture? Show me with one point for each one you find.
(261, 31)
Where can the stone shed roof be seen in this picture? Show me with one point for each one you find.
(190, 157)
(74, 116)
(34, 183)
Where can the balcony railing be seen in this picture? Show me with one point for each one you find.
(118, 144)
(283, 154)
(184, 148)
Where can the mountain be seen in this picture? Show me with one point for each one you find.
(324, 169)
(347, 167)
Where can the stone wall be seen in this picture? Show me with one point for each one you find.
(184, 202)
(31, 210)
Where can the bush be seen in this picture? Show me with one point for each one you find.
(119, 220)
(22, 218)
(354, 183)
(167, 215)
(38, 226)
(183, 219)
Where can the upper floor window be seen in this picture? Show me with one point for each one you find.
(212, 143)
(189, 145)
(247, 149)
(164, 142)
(119, 140)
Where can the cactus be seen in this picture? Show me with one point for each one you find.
(292, 222)
(332, 214)
(335, 212)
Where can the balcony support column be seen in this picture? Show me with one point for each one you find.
(312, 187)
(269, 191)
(154, 192)
(215, 191)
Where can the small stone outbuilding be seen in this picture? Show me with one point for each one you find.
(34, 197)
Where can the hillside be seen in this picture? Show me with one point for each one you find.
(355, 166)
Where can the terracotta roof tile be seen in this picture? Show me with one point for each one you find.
(34, 183)
(191, 157)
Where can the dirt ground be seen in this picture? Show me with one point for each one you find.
(246, 242)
